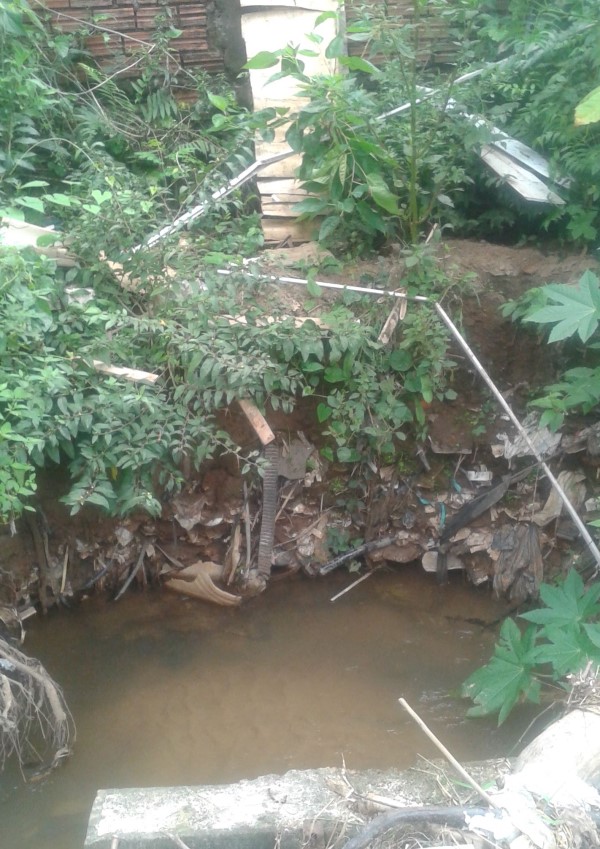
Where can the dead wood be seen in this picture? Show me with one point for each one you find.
(257, 420)
(40, 555)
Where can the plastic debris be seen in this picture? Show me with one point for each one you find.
(542, 439)
(429, 562)
(197, 581)
(481, 475)
(519, 570)
(572, 484)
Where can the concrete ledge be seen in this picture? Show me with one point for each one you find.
(291, 811)
(247, 815)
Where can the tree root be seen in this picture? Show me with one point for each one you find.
(35, 722)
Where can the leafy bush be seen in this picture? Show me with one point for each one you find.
(575, 313)
(125, 445)
(372, 180)
(130, 159)
(562, 637)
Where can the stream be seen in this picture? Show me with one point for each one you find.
(166, 690)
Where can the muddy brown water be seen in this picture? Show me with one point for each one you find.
(168, 691)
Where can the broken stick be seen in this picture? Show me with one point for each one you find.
(257, 420)
(448, 755)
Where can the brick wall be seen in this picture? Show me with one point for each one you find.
(133, 21)
(211, 37)
(434, 43)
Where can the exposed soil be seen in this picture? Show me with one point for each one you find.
(322, 511)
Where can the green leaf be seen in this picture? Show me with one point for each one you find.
(100, 500)
(312, 366)
(313, 289)
(325, 16)
(328, 226)
(498, 685)
(101, 197)
(588, 110)
(355, 63)
(217, 101)
(310, 206)
(372, 220)
(381, 194)
(11, 22)
(564, 650)
(323, 412)
(577, 309)
(347, 455)
(336, 48)
(263, 59)
(294, 136)
(31, 203)
(593, 633)
(334, 374)
(35, 184)
(61, 200)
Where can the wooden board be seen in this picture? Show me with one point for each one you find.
(284, 169)
(274, 186)
(270, 28)
(257, 420)
(278, 230)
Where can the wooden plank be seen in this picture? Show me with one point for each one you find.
(21, 234)
(278, 210)
(264, 149)
(269, 201)
(285, 168)
(269, 27)
(266, 187)
(279, 230)
(133, 374)
(257, 420)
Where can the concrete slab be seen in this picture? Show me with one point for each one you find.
(303, 809)
(284, 810)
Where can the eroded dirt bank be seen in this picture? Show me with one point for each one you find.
(325, 509)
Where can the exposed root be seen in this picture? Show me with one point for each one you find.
(35, 722)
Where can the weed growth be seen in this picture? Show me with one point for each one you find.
(561, 638)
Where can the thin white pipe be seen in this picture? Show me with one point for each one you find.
(503, 403)
(229, 187)
(364, 290)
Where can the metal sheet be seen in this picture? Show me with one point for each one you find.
(520, 179)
